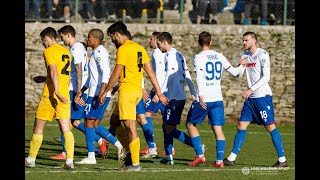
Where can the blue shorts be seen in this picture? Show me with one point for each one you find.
(140, 109)
(94, 110)
(77, 111)
(154, 107)
(173, 111)
(258, 110)
(215, 112)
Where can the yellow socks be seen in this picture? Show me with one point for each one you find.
(135, 151)
(69, 144)
(35, 144)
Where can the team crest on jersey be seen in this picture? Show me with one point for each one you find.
(263, 60)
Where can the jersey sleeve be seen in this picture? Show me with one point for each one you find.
(189, 79)
(265, 68)
(77, 54)
(48, 57)
(200, 74)
(103, 61)
(228, 67)
(122, 56)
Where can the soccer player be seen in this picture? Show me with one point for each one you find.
(157, 59)
(78, 77)
(99, 66)
(177, 74)
(131, 60)
(55, 99)
(209, 66)
(258, 105)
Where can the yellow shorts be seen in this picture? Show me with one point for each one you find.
(127, 104)
(50, 108)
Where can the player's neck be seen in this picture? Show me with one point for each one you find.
(253, 49)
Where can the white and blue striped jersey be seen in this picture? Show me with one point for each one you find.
(99, 66)
(209, 66)
(79, 55)
(177, 74)
(158, 65)
(258, 73)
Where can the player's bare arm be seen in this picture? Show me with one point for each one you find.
(55, 79)
(79, 75)
(78, 98)
(113, 79)
(39, 79)
(154, 81)
(145, 95)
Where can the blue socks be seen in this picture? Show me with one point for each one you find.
(197, 146)
(104, 133)
(238, 141)
(90, 133)
(277, 142)
(183, 137)
(220, 145)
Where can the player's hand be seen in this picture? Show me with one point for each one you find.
(78, 99)
(247, 93)
(155, 99)
(145, 95)
(102, 98)
(39, 79)
(243, 61)
(163, 99)
(202, 103)
(61, 98)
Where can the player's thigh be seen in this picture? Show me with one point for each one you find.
(196, 113)
(127, 102)
(45, 110)
(216, 113)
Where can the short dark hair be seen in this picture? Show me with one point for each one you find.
(204, 38)
(119, 27)
(156, 34)
(252, 34)
(97, 33)
(50, 32)
(165, 36)
(67, 29)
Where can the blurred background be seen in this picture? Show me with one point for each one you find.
(245, 12)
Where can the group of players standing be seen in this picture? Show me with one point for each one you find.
(77, 87)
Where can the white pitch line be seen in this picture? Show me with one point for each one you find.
(203, 131)
(151, 170)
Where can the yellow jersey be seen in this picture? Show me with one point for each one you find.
(61, 57)
(132, 56)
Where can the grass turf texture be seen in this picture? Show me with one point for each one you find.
(257, 154)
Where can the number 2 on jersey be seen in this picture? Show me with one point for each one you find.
(64, 69)
(140, 65)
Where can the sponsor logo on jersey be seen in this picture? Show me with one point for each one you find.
(251, 65)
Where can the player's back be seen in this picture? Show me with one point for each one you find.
(209, 66)
(132, 56)
(61, 57)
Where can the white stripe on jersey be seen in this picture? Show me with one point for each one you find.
(177, 74)
(99, 70)
(258, 73)
(79, 55)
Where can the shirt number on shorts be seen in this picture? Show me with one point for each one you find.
(264, 115)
